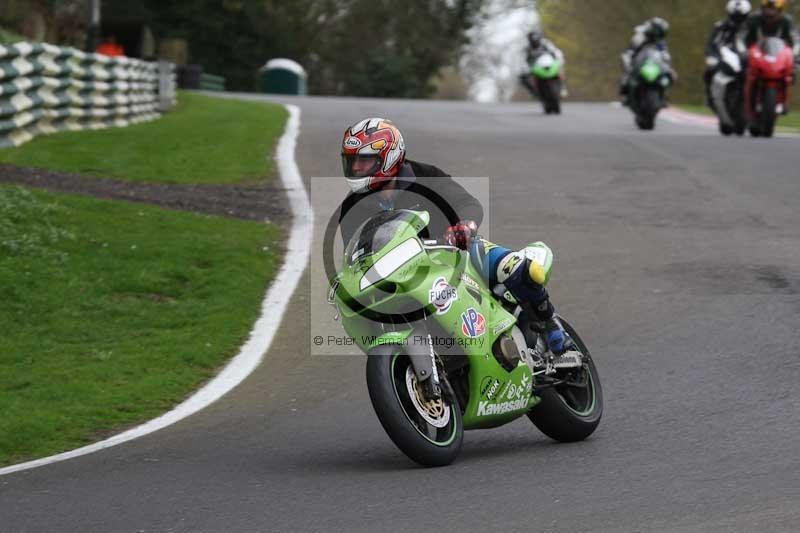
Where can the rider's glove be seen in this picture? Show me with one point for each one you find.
(461, 234)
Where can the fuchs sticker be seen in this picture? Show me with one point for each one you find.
(352, 142)
(442, 295)
(473, 324)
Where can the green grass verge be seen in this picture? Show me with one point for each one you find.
(204, 140)
(791, 122)
(112, 312)
(9, 37)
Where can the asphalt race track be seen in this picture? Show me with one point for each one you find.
(678, 260)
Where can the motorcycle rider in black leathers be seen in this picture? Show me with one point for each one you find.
(381, 179)
(651, 32)
(725, 33)
(770, 21)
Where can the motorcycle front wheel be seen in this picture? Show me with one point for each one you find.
(769, 114)
(549, 93)
(571, 411)
(428, 432)
(651, 105)
(733, 101)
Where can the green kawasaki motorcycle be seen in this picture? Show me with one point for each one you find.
(447, 353)
(652, 76)
(546, 72)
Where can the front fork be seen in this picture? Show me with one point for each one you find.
(423, 361)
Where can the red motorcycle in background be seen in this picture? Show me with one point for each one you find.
(770, 75)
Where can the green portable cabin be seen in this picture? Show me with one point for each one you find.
(283, 76)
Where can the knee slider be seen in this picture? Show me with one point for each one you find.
(540, 258)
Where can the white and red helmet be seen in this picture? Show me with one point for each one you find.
(373, 151)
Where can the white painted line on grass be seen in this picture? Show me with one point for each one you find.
(278, 296)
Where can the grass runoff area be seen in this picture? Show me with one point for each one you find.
(112, 312)
(204, 140)
(790, 122)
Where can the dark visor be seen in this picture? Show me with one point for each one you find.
(360, 166)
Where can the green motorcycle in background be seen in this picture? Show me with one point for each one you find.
(546, 73)
(445, 352)
(652, 76)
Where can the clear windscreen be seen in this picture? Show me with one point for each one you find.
(376, 233)
(650, 53)
(772, 46)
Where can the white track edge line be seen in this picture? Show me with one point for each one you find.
(274, 305)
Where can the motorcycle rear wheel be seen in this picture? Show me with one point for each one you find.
(570, 413)
(733, 102)
(428, 433)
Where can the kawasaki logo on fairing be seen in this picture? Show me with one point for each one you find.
(487, 409)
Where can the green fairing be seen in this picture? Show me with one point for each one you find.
(650, 71)
(496, 395)
(393, 338)
(547, 73)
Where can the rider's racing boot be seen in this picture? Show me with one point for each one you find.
(561, 346)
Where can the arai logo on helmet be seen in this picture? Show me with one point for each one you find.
(352, 142)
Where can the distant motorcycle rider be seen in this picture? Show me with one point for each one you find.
(770, 21)
(652, 32)
(725, 33)
(381, 178)
(538, 45)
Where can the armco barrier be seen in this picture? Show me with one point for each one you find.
(210, 82)
(45, 89)
(193, 77)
